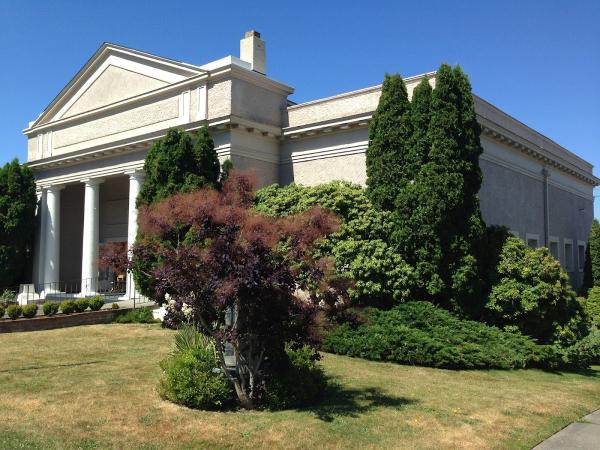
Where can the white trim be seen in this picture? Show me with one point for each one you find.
(327, 152)
(40, 148)
(532, 237)
(184, 106)
(202, 112)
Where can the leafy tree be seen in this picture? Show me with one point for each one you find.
(388, 170)
(533, 294)
(361, 247)
(592, 306)
(176, 164)
(591, 276)
(247, 280)
(17, 222)
(439, 218)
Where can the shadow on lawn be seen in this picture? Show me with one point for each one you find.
(340, 401)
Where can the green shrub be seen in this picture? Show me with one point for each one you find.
(141, 315)
(188, 339)
(361, 247)
(30, 310)
(7, 298)
(193, 379)
(50, 308)
(300, 384)
(68, 307)
(81, 304)
(115, 306)
(585, 352)
(533, 293)
(592, 306)
(419, 333)
(96, 303)
(14, 311)
(2, 311)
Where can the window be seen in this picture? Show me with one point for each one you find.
(580, 255)
(553, 247)
(569, 255)
(532, 240)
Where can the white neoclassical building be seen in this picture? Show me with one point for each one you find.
(87, 151)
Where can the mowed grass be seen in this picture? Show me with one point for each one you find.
(95, 387)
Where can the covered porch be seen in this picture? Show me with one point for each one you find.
(75, 219)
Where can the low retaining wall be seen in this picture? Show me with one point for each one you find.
(60, 320)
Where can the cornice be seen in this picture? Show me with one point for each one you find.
(145, 141)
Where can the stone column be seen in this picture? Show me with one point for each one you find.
(91, 234)
(42, 214)
(52, 247)
(136, 178)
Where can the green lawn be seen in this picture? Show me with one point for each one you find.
(95, 387)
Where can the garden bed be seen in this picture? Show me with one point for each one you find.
(39, 323)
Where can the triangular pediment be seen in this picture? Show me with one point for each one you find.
(112, 75)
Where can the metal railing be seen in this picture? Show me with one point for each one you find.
(113, 291)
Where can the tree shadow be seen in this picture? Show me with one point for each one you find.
(341, 401)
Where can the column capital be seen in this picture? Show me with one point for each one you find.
(53, 187)
(92, 181)
(135, 174)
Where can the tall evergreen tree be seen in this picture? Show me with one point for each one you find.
(591, 276)
(389, 133)
(420, 115)
(442, 225)
(17, 222)
(176, 164)
(206, 158)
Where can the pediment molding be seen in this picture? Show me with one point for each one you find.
(163, 70)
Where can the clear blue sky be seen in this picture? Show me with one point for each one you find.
(537, 60)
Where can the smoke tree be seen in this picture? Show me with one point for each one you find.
(244, 279)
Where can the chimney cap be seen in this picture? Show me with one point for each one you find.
(252, 33)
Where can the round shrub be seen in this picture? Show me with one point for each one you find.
(586, 352)
(592, 306)
(191, 378)
(68, 307)
(14, 311)
(533, 293)
(2, 311)
(50, 308)
(96, 303)
(300, 384)
(81, 304)
(30, 310)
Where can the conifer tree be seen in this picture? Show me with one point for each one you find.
(17, 222)
(591, 277)
(176, 163)
(389, 133)
(420, 115)
(206, 158)
(442, 224)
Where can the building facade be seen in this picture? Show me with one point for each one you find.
(87, 152)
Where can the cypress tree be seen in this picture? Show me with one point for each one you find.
(389, 132)
(17, 222)
(420, 115)
(206, 159)
(591, 276)
(176, 163)
(442, 222)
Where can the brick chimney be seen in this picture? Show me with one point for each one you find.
(253, 51)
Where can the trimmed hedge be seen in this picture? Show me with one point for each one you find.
(141, 315)
(81, 304)
(96, 303)
(419, 333)
(68, 307)
(51, 308)
(30, 310)
(14, 311)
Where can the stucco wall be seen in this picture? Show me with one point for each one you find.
(257, 103)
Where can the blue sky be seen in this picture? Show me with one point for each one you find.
(538, 61)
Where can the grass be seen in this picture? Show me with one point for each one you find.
(95, 387)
